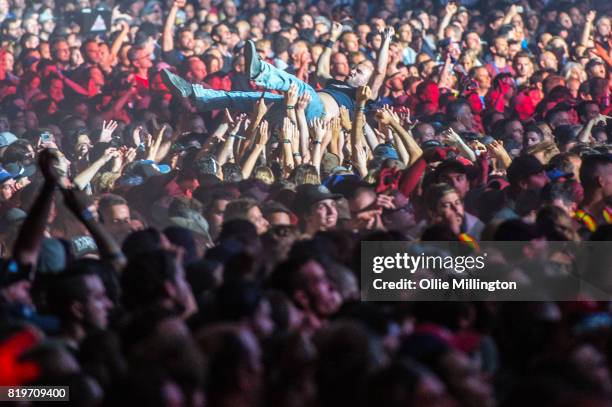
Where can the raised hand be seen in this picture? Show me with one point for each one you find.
(303, 101)
(451, 137)
(263, 133)
(345, 119)
(108, 128)
(336, 31)
(227, 117)
(451, 8)
(179, 3)
(319, 127)
(386, 117)
(291, 97)
(47, 161)
(387, 33)
(260, 108)
(364, 93)
(590, 17)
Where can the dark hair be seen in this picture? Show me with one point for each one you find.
(142, 281)
(589, 170)
(141, 241)
(65, 289)
(107, 201)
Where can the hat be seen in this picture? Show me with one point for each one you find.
(82, 245)
(431, 144)
(19, 171)
(52, 257)
(150, 169)
(522, 167)
(450, 165)
(11, 272)
(5, 175)
(7, 138)
(309, 194)
(11, 217)
(384, 151)
(192, 221)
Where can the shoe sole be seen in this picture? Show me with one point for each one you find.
(171, 85)
(249, 55)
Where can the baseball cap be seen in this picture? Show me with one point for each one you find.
(20, 171)
(5, 175)
(309, 194)
(7, 138)
(523, 167)
(150, 169)
(11, 272)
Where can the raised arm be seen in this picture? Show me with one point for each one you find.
(323, 64)
(389, 118)
(588, 26)
(259, 146)
(29, 239)
(168, 33)
(450, 10)
(380, 70)
(107, 246)
(84, 177)
(118, 42)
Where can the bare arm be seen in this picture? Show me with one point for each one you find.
(287, 135)
(107, 246)
(451, 9)
(357, 138)
(588, 26)
(168, 34)
(378, 77)
(300, 110)
(249, 164)
(320, 129)
(323, 64)
(116, 46)
(29, 239)
(386, 116)
(228, 146)
(84, 177)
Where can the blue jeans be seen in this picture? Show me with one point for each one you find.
(271, 78)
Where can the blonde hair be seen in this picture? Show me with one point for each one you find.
(265, 174)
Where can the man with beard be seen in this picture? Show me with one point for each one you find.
(184, 38)
(499, 57)
(327, 101)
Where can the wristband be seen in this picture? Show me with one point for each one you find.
(297, 155)
(317, 142)
(362, 109)
(329, 44)
(289, 107)
(287, 141)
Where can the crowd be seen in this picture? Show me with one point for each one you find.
(185, 186)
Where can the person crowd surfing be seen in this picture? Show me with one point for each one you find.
(185, 186)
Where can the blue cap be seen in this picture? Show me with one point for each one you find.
(5, 175)
(384, 151)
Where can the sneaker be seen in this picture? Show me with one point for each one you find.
(177, 85)
(251, 59)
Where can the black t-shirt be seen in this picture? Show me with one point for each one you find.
(343, 93)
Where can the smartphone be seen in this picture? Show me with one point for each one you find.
(46, 137)
(520, 9)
